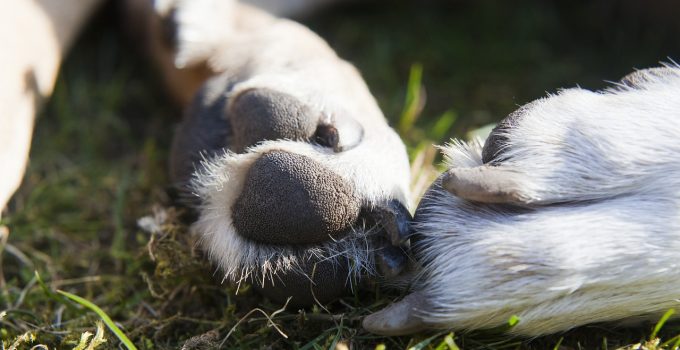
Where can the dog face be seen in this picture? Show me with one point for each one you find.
(569, 214)
(300, 196)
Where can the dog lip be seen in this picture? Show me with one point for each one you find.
(314, 281)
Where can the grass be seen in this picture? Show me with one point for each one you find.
(98, 165)
(107, 320)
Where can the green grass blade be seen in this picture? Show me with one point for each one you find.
(426, 342)
(338, 335)
(313, 343)
(661, 322)
(440, 129)
(448, 343)
(675, 340)
(107, 320)
(559, 343)
(481, 133)
(414, 100)
(49, 293)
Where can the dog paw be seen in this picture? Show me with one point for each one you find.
(595, 244)
(302, 201)
(576, 145)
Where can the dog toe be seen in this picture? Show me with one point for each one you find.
(399, 318)
(265, 114)
(485, 184)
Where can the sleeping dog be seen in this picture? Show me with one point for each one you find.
(567, 214)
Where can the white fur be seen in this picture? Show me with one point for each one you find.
(582, 145)
(609, 251)
(200, 27)
(221, 180)
(267, 52)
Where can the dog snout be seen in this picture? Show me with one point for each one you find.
(292, 199)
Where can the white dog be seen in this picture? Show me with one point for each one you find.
(569, 214)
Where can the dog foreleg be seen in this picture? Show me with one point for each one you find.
(34, 36)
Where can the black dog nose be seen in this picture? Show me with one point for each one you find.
(291, 199)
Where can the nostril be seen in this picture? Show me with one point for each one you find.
(292, 199)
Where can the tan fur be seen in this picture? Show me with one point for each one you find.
(144, 24)
(34, 36)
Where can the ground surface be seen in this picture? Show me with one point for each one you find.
(98, 164)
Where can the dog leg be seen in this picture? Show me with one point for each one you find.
(34, 36)
(606, 247)
(580, 145)
(298, 180)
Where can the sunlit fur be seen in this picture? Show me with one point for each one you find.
(599, 239)
(219, 183)
(264, 52)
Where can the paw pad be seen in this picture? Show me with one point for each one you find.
(291, 199)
